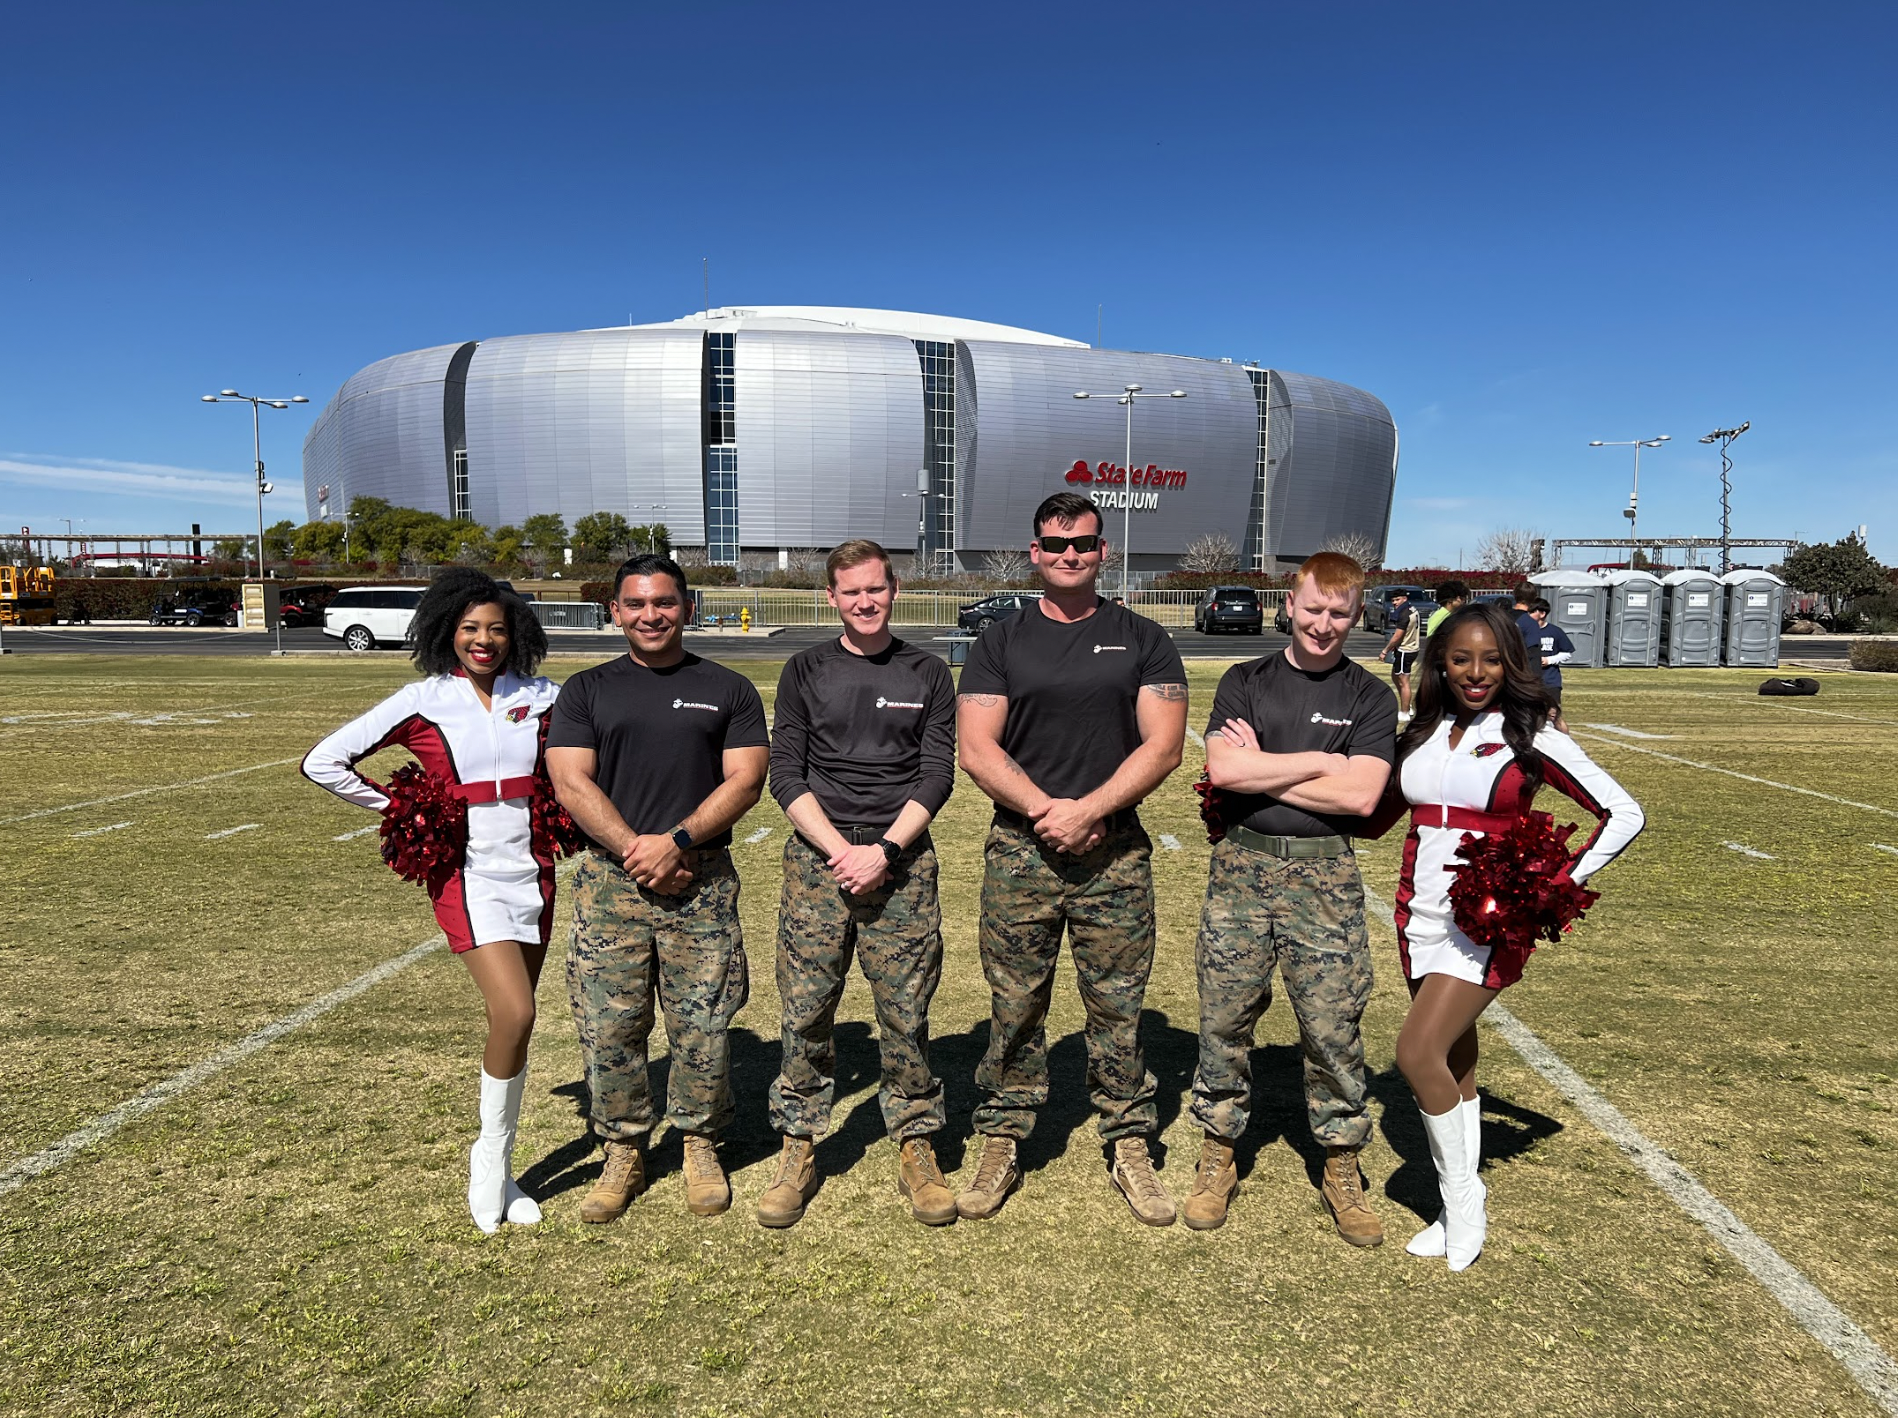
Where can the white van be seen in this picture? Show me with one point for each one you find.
(363, 617)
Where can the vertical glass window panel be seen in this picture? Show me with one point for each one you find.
(721, 454)
(1254, 552)
(938, 361)
(459, 510)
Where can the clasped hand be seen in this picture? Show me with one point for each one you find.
(860, 870)
(1068, 825)
(656, 863)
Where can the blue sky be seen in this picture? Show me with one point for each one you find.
(1523, 227)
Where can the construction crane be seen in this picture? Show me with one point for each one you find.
(26, 595)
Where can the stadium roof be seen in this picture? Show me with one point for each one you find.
(906, 324)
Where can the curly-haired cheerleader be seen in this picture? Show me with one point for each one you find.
(477, 723)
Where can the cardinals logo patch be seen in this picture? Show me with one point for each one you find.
(518, 713)
(1484, 750)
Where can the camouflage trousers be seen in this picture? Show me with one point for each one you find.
(632, 946)
(1306, 917)
(1105, 899)
(896, 934)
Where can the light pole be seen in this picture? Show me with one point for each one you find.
(1634, 497)
(922, 516)
(1128, 394)
(648, 507)
(257, 451)
(1724, 437)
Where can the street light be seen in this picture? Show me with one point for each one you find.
(1724, 437)
(1128, 394)
(922, 515)
(257, 451)
(1634, 497)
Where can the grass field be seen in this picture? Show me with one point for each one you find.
(290, 1237)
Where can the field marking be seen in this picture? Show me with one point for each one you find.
(18, 1174)
(758, 836)
(359, 832)
(1870, 1366)
(157, 720)
(1747, 851)
(1198, 740)
(101, 831)
(1743, 777)
(147, 792)
(1169, 841)
(1881, 847)
(1628, 733)
(232, 831)
(1775, 701)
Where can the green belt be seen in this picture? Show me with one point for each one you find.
(1288, 846)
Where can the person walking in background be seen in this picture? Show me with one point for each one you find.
(1299, 744)
(1069, 714)
(1451, 596)
(1471, 761)
(1549, 649)
(656, 755)
(1401, 648)
(862, 758)
(476, 722)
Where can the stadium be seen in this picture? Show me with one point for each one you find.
(753, 432)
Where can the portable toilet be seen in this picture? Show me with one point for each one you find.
(1755, 602)
(1578, 602)
(1691, 618)
(1634, 618)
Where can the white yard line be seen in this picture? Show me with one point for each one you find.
(160, 719)
(359, 832)
(1779, 702)
(1747, 851)
(1628, 733)
(147, 792)
(758, 836)
(1870, 1366)
(1743, 777)
(101, 831)
(1198, 740)
(232, 831)
(17, 1174)
(1881, 847)
(1169, 841)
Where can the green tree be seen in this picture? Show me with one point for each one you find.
(599, 536)
(318, 541)
(278, 538)
(655, 537)
(545, 532)
(1838, 571)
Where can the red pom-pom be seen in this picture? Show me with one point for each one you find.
(1512, 888)
(1212, 804)
(556, 834)
(424, 827)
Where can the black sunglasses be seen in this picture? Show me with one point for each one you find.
(1054, 546)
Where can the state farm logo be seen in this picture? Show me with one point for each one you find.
(1113, 474)
(1334, 723)
(883, 703)
(688, 704)
(1099, 648)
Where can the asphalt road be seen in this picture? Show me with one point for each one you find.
(180, 640)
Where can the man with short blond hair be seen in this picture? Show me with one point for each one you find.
(862, 758)
(1299, 745)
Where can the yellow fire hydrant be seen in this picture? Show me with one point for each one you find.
(744, 619)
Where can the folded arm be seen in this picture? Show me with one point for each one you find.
(1331, 783)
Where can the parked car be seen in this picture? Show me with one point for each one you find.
(197, 608)
(985, 612)
(1229, 608)
(1377, 605)
(363, 617)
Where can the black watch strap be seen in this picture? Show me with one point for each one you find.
(890, 850)
(681, 838)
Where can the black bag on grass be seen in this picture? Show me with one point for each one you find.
(1800, 686)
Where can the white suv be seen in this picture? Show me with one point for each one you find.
(364, 617)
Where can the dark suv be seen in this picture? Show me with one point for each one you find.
(196, 608)
(983, 613)
(1229, 608)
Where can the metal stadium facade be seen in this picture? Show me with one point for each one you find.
(750, 432)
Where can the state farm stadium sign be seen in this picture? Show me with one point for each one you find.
(1111, 486)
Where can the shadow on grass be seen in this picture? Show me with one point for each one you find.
(1509, 1131)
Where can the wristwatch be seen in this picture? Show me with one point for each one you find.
(681, 838)
(890, 850)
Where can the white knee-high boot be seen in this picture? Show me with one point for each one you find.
(1464, 1220)
(522, 1209)
(492, 1194)
(1429, 1241)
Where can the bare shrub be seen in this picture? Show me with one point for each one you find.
(1356, 545)
(1510, 550)
(1006, 564)
(1212, 553)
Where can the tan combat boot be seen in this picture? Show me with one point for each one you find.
(791, 1190)
(920, 1179)
(996, 1175)
(1214, 1186)
(1133, 1174)
(1343, 1191)
(622, 1179)
(706, 1191)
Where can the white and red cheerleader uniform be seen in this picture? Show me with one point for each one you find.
(493, 757)
(1478, 787)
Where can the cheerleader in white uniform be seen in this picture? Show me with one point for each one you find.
(1471, 761)
(477, 721)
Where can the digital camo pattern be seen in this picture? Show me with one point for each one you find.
(630, 945)
(1306, 917)
(896, 934)
(1105, 899)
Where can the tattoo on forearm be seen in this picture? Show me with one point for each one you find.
(1013, 766)
(981, 701)
(1169, 692)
